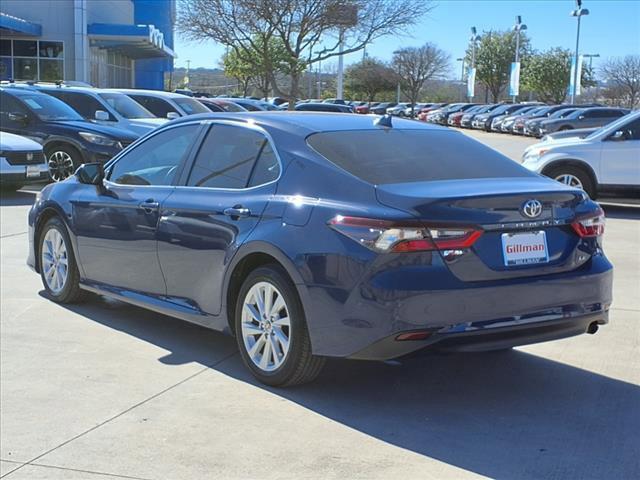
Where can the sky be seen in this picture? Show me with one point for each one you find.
(611, 29)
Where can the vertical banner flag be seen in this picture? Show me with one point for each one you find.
(471, 82)
(572, 84)
(514, 82)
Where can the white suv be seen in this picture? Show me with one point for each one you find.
(21, 162)
(605, 162)
(166, 104)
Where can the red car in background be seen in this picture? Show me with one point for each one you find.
(366, 107)
(422, 116)
(455, 118)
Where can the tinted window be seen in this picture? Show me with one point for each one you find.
(266, 169)
(190, 106)
(227, 157)
(632, 130)
(157, 106)
(374, 156)
(8, 105)
(48, 108)
(125, 106)
(85, 105)
(155, 161)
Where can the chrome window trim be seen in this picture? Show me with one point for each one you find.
(235, 123)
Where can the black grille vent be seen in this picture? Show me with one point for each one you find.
(24, 158)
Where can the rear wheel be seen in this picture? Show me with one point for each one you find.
(63, 160)
(573, 177)
(271, 330)
(58, 268)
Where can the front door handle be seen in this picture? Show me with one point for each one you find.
(149, 205)
(236, 212)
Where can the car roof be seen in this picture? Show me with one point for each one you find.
(305, 123)
(150, 93)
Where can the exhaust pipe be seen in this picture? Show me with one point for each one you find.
(593, 328)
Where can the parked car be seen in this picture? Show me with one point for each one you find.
(455, 118)
(518, 125)
(166, 104)
(253, 105)
(603, 163)
(412, 112)
(68, 139)
(381, 108)
(324, 107)
(467, 119)
(364, 109)
(543, 115)
(497, 120)
(22, 162)
(338, 101)
(506, 124)
(107, 107)
(453, 254)
(276, 101)
(221, 105)
(533, 126)
(424, 112)
(398, 110)
(582, 118)
(483, 121)
(442, 117)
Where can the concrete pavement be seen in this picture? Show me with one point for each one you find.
(105, 390)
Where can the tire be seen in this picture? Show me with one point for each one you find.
(63, 160)
(68, 290)
(565, 174)
(253, 329)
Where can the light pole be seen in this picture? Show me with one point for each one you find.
(518, 27)
(461, 59)
(472, 77)
(591, 56)
(578, 12)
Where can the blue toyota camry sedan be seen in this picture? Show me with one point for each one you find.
(312, 235)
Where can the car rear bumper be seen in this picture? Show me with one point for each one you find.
(365, 322)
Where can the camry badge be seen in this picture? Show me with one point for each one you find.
(531, 208)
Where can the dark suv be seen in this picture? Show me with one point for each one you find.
(68, 139)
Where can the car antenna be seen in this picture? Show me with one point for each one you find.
(383, 121)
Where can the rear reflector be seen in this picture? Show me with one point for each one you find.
(413, 336)
(590, 225)
(387, 236)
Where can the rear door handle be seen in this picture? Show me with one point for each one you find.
(149, 205)
(236, 212)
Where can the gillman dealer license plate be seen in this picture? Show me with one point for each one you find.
(524, 248)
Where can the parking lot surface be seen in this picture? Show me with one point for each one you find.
(106, 390)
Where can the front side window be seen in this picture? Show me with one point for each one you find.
(159, 107)
(227, 159)
(125, 106)
(85, 105)
(190, 106)
(155, 161)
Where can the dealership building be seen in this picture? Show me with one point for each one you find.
(106, 43)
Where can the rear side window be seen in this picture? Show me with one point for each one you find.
(157, 106)
(85, 105)
(233, 157)
(400, 156)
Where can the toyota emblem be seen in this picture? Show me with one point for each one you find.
(532, 208)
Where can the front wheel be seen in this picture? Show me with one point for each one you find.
(58, 268)
(63, 161)
(574, 177)
(271, 330)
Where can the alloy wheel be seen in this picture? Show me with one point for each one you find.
(55, 261)
(266, 327)
(60, 165)
(570, 180)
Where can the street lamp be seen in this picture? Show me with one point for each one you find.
(473, 39)
(591, 56)
(579, 12)
(518, 27)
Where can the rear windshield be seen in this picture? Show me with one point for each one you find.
(399, 156)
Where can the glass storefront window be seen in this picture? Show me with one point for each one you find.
(25, 48)
(51, 70)
(51, 49)
(6, 69)
(5, 48)
(25, 68)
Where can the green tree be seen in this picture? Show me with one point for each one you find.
(237, 67)
(494, 55)
(369, 78)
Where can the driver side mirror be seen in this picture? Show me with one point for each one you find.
(101, 116)
(21, 118)
(90, 173)
(173, 115)
(618, 136)
(581, 117)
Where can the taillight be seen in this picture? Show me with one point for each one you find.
(591, 225)
(386, 236)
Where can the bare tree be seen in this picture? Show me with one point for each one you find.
(623, 76)
(416, 65)
(311, 30)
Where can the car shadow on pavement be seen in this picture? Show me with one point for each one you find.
(509, 415)
(16, 199)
